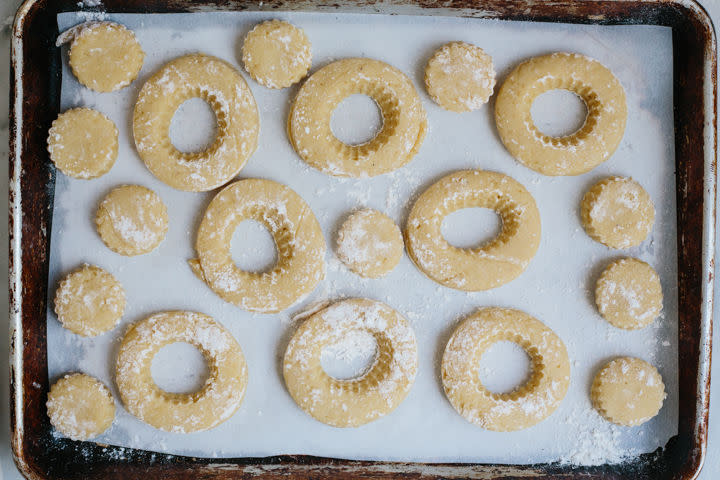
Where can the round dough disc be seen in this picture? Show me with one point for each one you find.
(80, 406)
(369, 243)
(83, 143)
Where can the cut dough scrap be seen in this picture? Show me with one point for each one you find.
(573, 154)
(617, 212)
(398, 141)
(628, 391)
(80, 406)
(628, 294)
(370, 243)
(528, 404)
(105, 56)
(83, 143)
(460, 77)
(490, 265)
(206, 408)
(276, 54)
(89, 301)
(360, 400)
(132, 220)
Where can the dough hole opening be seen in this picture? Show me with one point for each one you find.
(559, 113)
(504, 367)
(351, 357)
(194, 126)
(179, 368)
(471, 227)
(356, 120)
(253, 247)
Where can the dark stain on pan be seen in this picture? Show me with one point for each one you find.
(40, 455)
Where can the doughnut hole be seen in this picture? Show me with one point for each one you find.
(356, 120)
(351, 357)
(194, 126)
(504, 367)
(253, 247)
(179, 368)
(559, 113)
(471, 227)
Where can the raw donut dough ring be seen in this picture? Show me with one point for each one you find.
(225, 90)
(399, 139)
(298, 238)
(80, 406)
(572, 154)
(206, 408)
(527, 405)
(490, 265)
(356, 401)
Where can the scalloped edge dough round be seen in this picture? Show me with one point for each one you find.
(399, 139)
(527, 405)
(480, 268)
(132, 220)
(572, 154)
(225, 91)
(83, 143)
(206, 408)
(80, 406)
(369, 243)
(276, 54)
(460, 77)
(617, 212)
(105, 56)
(628, 294)
(628, 391)
(298, 238)
(89, 301)
(360, 400)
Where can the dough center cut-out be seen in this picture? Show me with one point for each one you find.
(559, 113)
(193, 128)
(356, 120)
(504, 367)
(351, 357)
(253, 248)
(471, 227)
(179, 368)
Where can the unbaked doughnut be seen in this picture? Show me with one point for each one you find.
(490, 265)
(528, 404)
(298, 238)
(369, 243)
(83, 143)
(206, 408)
(399, 139)
(276, 54)
(225, 90)
(132, 220)
(360, 400)
(89, 301)
(572, 154)
(628, 391)
(617, 212)
(460, 77)
(80, 406)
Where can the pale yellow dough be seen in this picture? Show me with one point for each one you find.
(528, 404)
(83, 143)
(238, 124)
(360, 400)
(490, 265)
(298, 238)
(217, 400)
(628, 294)
(580, 151)
(628, 391)
(132, 220)
(399, 139)
(105, 56)
(617, 212)
(89, 301)
(276, 54)
(460, 77)
(80, 406)
(369, 243)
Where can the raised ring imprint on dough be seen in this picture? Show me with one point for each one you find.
(224, 89)
(572, 154)
(298, 238)
(356, 401)
(525, 406)
(404, 121)
(490, 265)
(206, 408)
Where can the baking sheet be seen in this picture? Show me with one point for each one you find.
(556, 288)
